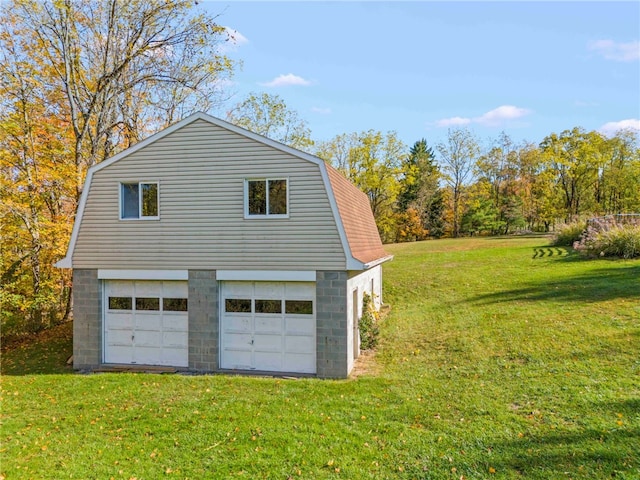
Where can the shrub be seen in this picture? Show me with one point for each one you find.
(611, 241)
(569, 233)
(369, 328)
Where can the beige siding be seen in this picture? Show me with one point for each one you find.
(201, 170)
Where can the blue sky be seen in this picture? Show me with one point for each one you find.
(419, 68)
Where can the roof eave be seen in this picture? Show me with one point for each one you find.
(377, 262)
(64, 263)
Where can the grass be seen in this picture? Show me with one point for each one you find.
(501, 358)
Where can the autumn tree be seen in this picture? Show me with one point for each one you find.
(80, 81)
(268, 115)
(618, 186)
(575, 157)
(458, 155)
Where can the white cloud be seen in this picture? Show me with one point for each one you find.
(610, 128)
(492, 118)
(321, 110)
(504, 113)
(453, 122)
(617, 51)
(286, 81)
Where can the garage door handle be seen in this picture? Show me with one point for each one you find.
(251, 342)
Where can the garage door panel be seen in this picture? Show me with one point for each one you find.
(119, 288)
(301, 363)
(175, 340)
(146, 321)
(119, 336)
(120, 321)
(268, 361)
(301, 325)
(269, 290)
(118, 353)
(175, 289)
(268, 324)
(299, 344)
(148, 338)
(236, 341)
(175, 322)
(238, 289)
(238, 324)
(147, 355)
(238, 359)
(148, 289)
(173, 357)
(267, 343)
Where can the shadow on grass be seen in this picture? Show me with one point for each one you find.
(611, 449)
(45, 353)
(597, 285)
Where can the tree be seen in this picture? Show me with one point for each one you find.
(575, 157)
(420, 187)
(618, 187)
(268, 115)
(458, 156)
(79, 81)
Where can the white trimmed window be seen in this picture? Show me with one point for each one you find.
(140, 201)
(266, 197)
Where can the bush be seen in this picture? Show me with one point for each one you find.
(369, 329)
(569, 233)
(609, 240)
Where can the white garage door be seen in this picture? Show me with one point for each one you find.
(269, 326)
(146, 322)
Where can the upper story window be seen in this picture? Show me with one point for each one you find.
(266, 197)
(139, 200)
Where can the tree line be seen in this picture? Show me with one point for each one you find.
(82, 80)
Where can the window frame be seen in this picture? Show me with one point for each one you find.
(140, 200)
(266, 180)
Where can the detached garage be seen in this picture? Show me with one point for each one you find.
(208, 248)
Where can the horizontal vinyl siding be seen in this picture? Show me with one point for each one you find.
(201, 170)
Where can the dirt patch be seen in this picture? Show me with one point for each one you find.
(365, 365)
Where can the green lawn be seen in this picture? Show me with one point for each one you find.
(500, 358)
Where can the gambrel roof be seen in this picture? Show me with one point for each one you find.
(350, 207)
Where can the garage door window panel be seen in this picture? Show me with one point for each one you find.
(120, 303)
(237, 305)
(299, 307)
(268, 306)
(174, 304)
(148, 303)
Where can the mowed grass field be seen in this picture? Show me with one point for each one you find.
(500, 358)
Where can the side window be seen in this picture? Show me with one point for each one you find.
(266, 197)
(139, 200)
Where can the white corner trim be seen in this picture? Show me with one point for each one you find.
(104, 274)
(267, 275)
